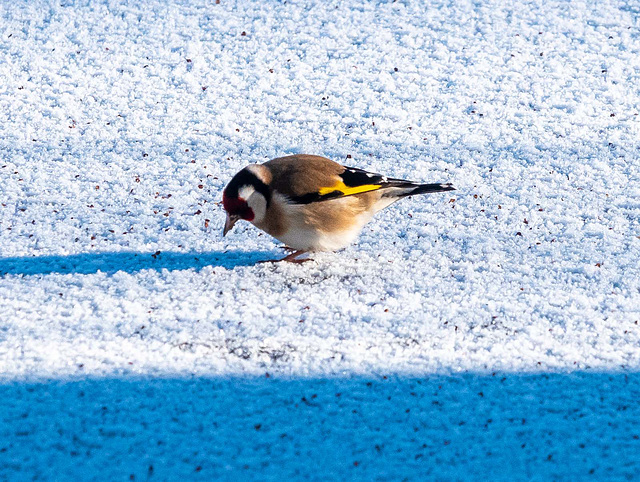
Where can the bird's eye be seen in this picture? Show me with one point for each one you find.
(231, 204)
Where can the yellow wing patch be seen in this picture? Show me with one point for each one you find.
(346, 190)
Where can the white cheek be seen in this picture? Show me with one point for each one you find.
(245, 192)
(258, 205)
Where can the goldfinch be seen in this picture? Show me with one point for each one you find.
(311, 203)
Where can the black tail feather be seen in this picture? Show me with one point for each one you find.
(427, 188)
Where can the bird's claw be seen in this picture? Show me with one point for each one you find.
(296, 261)
(291, 258)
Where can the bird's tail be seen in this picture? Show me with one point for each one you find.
(410, 189)
(427, 188)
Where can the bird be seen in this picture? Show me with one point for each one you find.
(311, 203)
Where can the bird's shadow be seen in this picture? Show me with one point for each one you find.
(129, 262)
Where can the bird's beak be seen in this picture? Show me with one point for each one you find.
(229, 223)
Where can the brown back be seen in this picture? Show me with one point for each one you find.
(309, 172)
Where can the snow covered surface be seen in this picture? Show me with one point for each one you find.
(491, 330)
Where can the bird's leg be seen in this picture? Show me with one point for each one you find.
(290, 258)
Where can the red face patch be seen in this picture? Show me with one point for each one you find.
(237, 207)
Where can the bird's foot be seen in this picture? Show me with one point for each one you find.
(296, 261)
(291, 258)
(287, 248)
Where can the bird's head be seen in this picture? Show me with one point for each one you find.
(247, 196)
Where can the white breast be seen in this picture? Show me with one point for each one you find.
(306, 237)
(306, 231)
(315, 240)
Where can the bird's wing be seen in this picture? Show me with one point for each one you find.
(305, 179)
(347, 183)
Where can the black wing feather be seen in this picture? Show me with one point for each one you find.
(353, 177)
(314, 197)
